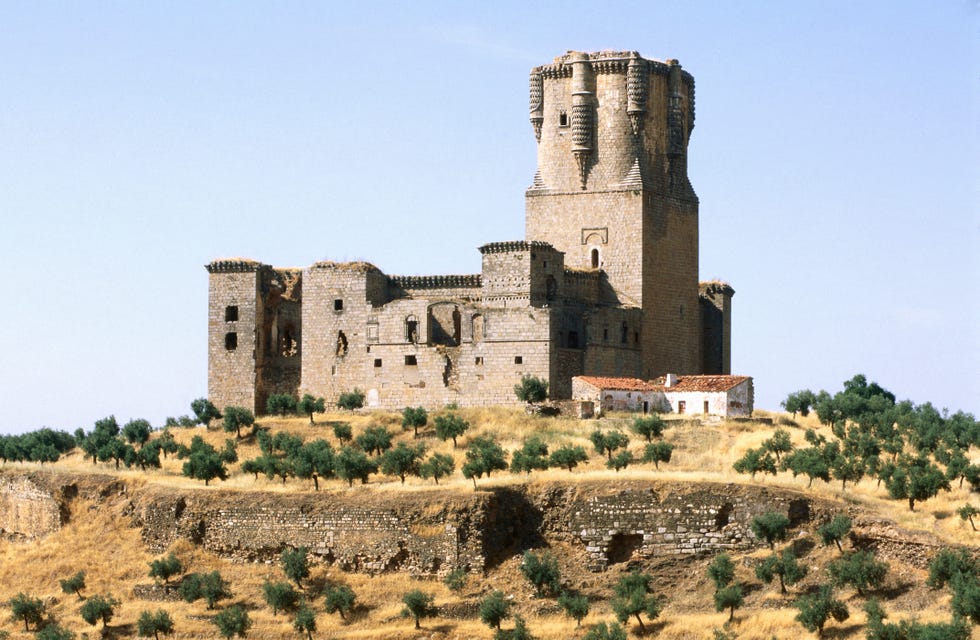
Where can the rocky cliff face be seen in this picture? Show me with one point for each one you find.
(435, 531)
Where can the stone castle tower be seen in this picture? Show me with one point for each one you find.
(605, 284)
(611, 191)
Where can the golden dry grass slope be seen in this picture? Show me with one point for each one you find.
(99, 539)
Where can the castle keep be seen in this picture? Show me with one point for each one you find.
(605, 284)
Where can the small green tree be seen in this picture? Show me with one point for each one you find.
(810, 462)
(949, 563)
(568, 456)
(205, 411)
(607, 443)
(799, 402)
(351, 400)
(342, 431)
(203, 461)
(456, 579)
(308, 405)
(280, 596)
(99, 608)
(658, 452)
(633, 596)
(439, 465)
(859, 569)
(785, 567)
(915, 480)
(493, 609)
(533, 455)
(770, 527)
(968, 512)
(519, 632)
(280, 404)
(305, 622)
(847, 467)
(542, 572)
(602, 631)
(413, 418)
(53, 631)
(817, 608)
(778, 444)
(375, 439)
(166, 568)
(966, 596)
(649, 427)
(755, 461)
(419, 604)
(137, 432)
(402, 461)
(531, 389)
(483, 457)
(731, 598)
(314, 460)
(296, 564)
(209, 586)
(575, 606)
(236, 418)
(721, 570)
(74, 584)
(150, 623)
(353, 464)
(233, 621)
(620, 461)
(30, 610)
(835, 531)
(339, 599)
(450, 427)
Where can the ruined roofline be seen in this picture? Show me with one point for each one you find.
(473, 280)
(234, 265)
(514, 245)
(711, 287)
(358, 266)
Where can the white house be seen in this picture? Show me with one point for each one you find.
(717, 395)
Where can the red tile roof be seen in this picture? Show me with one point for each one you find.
(619, 384)
(682, 383)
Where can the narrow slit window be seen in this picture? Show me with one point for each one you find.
(231, 341)
(563, 119)
(231, 313)
(594, 258)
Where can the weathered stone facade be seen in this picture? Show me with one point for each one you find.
(605, 284)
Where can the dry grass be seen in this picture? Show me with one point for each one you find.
(98, 539)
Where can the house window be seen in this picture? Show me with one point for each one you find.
(705, 406)
(377, 363)
(518, 359)
(563, 119)
(231, 341)
(479, 360)
(411, 361)
(338, 305)
(681, 406)
(231, 313)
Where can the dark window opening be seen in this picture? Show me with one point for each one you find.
(623, 546)
(636, 337)
(231, 341)
(341, 344)
(338, 305)
(479, 360)
(518, 360)
(544, 264)
(231, 313)
(573, 339)
(594, 257)
(412, 329)
(563, 119)
(624, 332)
(681, 406)
(551, 288)
(605, 335)
(705, 406)
(411, 361)
(723, 515)
(377, 363)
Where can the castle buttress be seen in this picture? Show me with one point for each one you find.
(606, 283)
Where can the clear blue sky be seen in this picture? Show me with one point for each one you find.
(835, 156)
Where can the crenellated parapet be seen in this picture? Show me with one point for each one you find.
(234, 265)
(473, 280)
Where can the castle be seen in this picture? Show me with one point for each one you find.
(605, 283)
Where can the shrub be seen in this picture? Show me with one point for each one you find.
(402, 461)
(413, 418)
(280, 596)
(450, 427)
(731, 598)
(721, 570)
(493, 609)
(858, 569)
(305, 621)
(52, 631)
(30, 610)
(295, 564)
(568, 456)
(531, 389)
(280, 404)
(784, 566)
(204, 410)
(166, 568)
(210, 586)
(770, 527)
(541, 571)
(437, 466)
(633, 596)
(154, 624)
(619, 461)
(74, 584)
(483, 457)
(603, 632)
(339, 599)
(835, 531)
(657, 452)
(308, 405)
(236, 418)
(817, 608)
(607, 443)
(456, 579)
(418, 604)
(233, 621)
(351, 400)
(575, 606)
(98, 608)
(649, 427)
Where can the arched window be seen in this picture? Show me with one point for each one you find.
(341, 344)
(478, 328)
(412, 329)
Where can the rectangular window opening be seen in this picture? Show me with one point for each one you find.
(377, 363)
(479, 360)
(411, 361)
(231, 313)
(338, 305)
(231, 341)
(518, 359)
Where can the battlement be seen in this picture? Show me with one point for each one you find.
(234, 265)
(514, 245)
(473, 280)
(715, 287)
(357, 266)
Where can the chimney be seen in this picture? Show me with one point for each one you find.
(670, 379)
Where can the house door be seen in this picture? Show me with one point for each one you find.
(681, 406)
(706, 406)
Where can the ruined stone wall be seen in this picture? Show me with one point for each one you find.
(27, 510)
(716, 327)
